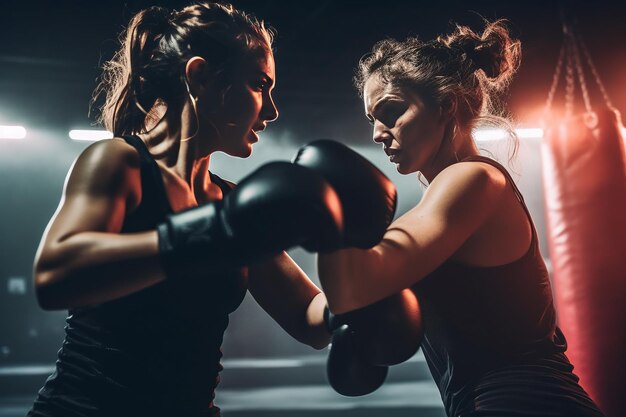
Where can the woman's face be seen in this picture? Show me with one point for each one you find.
(409, 128)
(244, 108)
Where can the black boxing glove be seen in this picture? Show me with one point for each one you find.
(367, 196)
(277, 207)
(347, 373)
(368, 340)
(387, 332)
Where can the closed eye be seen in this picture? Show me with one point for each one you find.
(390, 112)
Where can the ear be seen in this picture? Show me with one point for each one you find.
(197, 75)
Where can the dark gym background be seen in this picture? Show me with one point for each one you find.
(50, 54)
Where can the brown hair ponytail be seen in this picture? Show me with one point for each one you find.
(155, 47)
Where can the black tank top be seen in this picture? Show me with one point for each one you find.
(491, 340)
(153, 353)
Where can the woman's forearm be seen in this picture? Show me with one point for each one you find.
(317, 334)
(345, 276)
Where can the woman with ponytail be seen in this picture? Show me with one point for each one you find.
(136, 252)
(468, 249)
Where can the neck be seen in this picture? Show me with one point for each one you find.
(450, 152)
(179, 147)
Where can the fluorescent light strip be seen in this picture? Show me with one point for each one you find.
(12, 132)
(90, 135)
(529, 133)
(480, 135)
(486, 135)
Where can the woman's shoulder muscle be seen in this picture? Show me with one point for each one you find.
(103, 184)
(464, 187)
(483, 193)
(103, 167)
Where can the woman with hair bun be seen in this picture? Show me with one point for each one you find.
(468, 249)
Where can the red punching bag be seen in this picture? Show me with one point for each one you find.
(584, 173)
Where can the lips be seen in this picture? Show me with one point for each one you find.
(393, 154)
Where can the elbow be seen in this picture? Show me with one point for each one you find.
(315, 336)
(44, 300)
(320, 344)
(46, 292)
(313, 328)
(318, 340)
(46, 303)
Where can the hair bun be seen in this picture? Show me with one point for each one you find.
(485, 56)
(494, 51)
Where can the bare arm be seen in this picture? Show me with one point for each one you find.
(283, 290)
(83, 259)
(456, 204)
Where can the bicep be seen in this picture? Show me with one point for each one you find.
(413, 246)
(101, 186)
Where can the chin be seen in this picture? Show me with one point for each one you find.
(239, 147)
(244, 151)
(404, 170)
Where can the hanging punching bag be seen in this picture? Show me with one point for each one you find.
(584, 174)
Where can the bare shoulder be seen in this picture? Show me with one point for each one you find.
(468, 181)
(109, 154)
(474, 173)
(104, 167)
(502, 233)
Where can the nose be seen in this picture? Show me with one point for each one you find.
(380, 132)
(269, 112)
